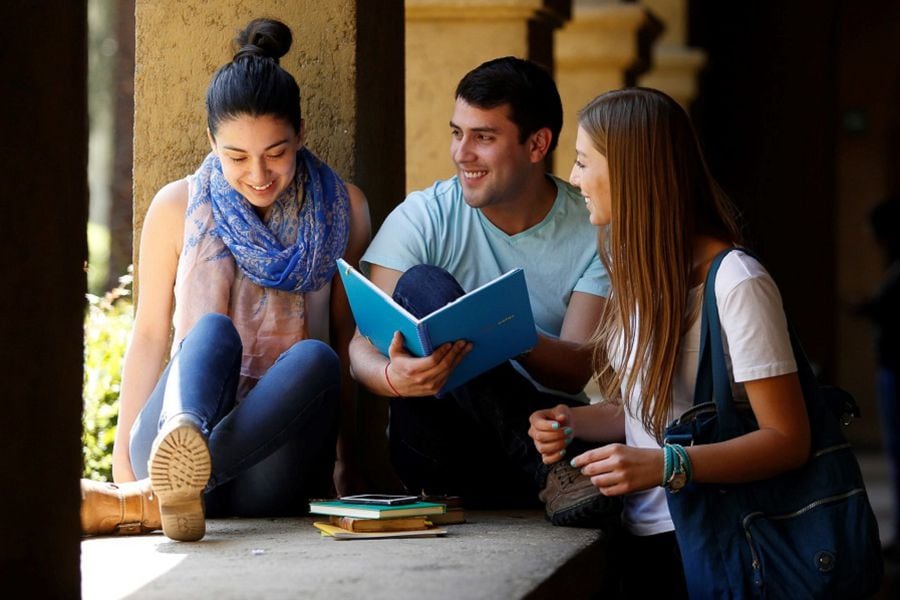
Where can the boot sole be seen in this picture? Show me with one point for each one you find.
(179, 471)
(598, 512)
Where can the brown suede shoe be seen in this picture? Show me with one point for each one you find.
(118, 508)
(179, 470)
(571, 500)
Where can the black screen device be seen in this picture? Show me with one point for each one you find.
(382, 499)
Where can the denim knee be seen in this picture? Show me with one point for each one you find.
(316, 357)
(219, 327)
(423, 289)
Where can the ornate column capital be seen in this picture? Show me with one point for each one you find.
(674, 64)
(595, 52)
(554, 11)
(600, 35)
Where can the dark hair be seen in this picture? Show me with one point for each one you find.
(526, 86)
(253, 83)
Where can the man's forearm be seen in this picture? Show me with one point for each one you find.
(559, 365)
(367, 366)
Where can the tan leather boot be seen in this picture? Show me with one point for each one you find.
(118, 508)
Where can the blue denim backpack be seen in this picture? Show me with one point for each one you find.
(807, 533)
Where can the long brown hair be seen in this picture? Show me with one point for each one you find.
(662, 196)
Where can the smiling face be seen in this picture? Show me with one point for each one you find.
(591, 174)
(258, 156)
(491, 163)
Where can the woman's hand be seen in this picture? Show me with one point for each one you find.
(552, 430)
(617, 469)
(412, 377)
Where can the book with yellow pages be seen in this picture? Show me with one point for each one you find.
(338, 533)
(453, 516)
(367, 525)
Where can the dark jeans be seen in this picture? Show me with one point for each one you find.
(645, 567)
(888, 381)
(271, 451)
(473, 442)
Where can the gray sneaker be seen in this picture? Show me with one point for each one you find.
(571, 500)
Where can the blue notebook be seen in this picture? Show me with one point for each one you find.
(495, 317)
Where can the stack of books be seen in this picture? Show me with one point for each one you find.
(454, 513)
(356, 521)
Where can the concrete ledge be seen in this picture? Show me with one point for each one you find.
(510, 554)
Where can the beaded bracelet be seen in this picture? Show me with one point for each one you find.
(388, 379)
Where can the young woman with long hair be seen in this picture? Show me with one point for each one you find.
(662, 219)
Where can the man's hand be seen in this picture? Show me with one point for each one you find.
(412, 377)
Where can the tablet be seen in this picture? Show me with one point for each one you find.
(382, 499)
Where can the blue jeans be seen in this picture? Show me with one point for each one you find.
(474, 441)
(270, 452)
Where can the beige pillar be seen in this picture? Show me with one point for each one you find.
(593, 53)
(675, 65)
(444, 40)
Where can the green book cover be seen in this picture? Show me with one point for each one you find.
(371, 511)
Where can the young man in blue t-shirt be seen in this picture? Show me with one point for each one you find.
(499, 212)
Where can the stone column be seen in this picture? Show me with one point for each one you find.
(44, 248)
(675, 66)
(594, 53)
(444, 40)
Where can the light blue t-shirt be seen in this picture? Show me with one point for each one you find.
(436, 227)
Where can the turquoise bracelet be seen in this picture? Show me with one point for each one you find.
(685, 461)
(669, 460)
(677, 468)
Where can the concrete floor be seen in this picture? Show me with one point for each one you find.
(496, 555)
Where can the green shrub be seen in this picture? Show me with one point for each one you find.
(98, 257)
(107, 326)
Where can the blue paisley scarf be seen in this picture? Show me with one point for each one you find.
(296, 248)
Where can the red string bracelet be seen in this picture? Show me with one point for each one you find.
(388, 379)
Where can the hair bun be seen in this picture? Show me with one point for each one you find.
(266, 38)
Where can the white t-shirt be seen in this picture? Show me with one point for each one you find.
(757, 346)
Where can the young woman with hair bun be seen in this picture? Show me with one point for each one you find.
(240, 257)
